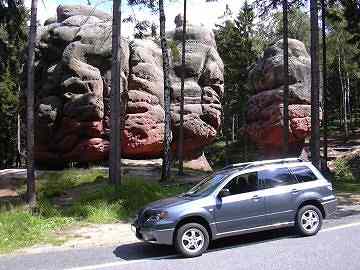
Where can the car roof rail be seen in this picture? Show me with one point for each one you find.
(247, 165)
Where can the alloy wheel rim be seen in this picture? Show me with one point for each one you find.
(192, 240)
(310, 221)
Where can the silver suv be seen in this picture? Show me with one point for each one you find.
(241, 198)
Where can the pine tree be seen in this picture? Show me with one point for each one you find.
(315, 85)
(181, 127)
(31, 188)
(235, 42)
(115, 132)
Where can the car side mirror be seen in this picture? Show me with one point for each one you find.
(224, 192)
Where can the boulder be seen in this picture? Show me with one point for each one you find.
(265, 109)
(66, 11)
(74, 61)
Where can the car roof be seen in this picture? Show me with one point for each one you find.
(261, 165)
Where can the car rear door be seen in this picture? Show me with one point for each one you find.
(281, 190)
(243, 209)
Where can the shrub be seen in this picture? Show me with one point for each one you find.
(343, 171)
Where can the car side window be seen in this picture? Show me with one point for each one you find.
(243, 183)
(276, 177)
(303, 174)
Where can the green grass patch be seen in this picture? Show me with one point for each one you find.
(19, 229)
(107, 204)
(75, 197)
(52, 184)
(348, 187)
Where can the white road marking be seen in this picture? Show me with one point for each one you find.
(105, 265)
(341, 227)
(112, 264)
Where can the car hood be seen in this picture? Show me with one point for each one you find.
(168, 202)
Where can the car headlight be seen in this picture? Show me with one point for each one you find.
(157, 216)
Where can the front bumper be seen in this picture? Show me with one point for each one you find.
(329, 207)
(153, 235)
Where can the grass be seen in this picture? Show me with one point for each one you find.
(76, 197)
(19, 229)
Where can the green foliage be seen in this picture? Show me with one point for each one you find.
(175, 52)
(343, 171)
(236, 47)
(12, 43)
(270, 29)
(344, 178)
(236, 152)
(8, 112)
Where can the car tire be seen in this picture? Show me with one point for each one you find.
(308, 220)
(192, 240)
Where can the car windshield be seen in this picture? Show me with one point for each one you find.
(206, 186)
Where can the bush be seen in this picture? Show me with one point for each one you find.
(343, 171)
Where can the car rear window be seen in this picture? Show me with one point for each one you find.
(277, 177)
(303, 174)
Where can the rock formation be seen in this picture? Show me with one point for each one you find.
(265, 108)
(73, 79)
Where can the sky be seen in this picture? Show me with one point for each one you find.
(199, 12)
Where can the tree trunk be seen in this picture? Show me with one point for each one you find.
(18, 142)
(343, 97)
(286, 79)
(315, 85)
(115, 115)
(31, 187)
(233, 129)
(348, 100)
(181, 127)
(325, 93)
(166, 164)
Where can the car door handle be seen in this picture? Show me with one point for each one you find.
(256, 198)
(294, 191)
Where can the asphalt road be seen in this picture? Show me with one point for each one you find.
(337, 247)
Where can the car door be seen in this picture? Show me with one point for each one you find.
(280, 192)
(243, 208)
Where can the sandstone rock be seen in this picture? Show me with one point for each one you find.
(268, 72)
(83, 107)
(73, 67)
(265, 109)
(79, 20)
(203, 89)
(47, 112)
(67, 11)
(89, 150)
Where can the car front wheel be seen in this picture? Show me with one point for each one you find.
(308, 220)
(192, 240)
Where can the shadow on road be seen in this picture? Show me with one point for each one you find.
(251, 239)
(138, 251)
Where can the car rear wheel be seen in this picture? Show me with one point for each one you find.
(192, 240)
(308, 220)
